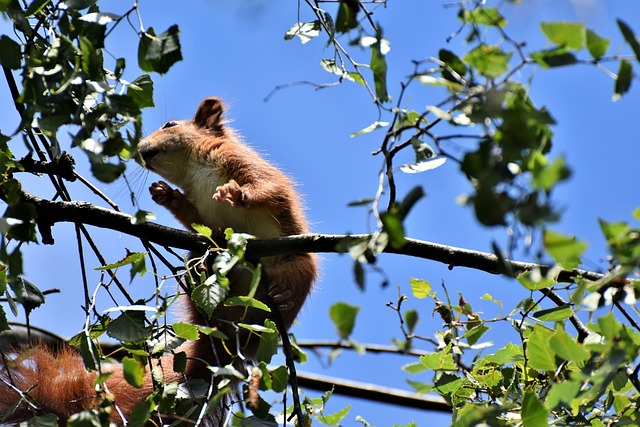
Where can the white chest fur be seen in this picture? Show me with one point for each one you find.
(201, 181)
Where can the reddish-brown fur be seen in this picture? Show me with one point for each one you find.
(224, 184)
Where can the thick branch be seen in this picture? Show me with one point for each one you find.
(50, 212)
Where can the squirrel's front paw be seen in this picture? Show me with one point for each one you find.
(164, 195)
(232, 193)
(281, 296)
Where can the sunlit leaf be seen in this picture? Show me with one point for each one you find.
(565, 250)
(554, 314)
(490, 60)
(420, 288)
(569, 34)
(343, 316)
(304, 31)
(133, 372)
(539, 354)
(596, 45)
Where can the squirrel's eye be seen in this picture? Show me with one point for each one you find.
(169, 125)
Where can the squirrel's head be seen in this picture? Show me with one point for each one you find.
(168, 150)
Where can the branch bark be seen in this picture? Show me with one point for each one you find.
(52, 212)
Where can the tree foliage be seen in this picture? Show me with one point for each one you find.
(574, 363)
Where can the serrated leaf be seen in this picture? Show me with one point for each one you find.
(343, 316)
(565, 250)
(534, 281)
(133, 372)
(569, 34)
(539, 354)
(141, 91)
(505, 356)
(554, 314)
(485, 16)
(208, 296)
(439, 361)
(567, 348)
(596, 45)
(335, 418)
(129, 326)
(186, 330)
(159, 53)
(490, 60)
(247, 302)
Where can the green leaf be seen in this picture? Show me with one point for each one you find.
(35, 7)
(4, 324)
(141, 91)
(131, 258)
(142, 216)
(505, 356)
(304, 31)
(489, 60)
(208, 296)
(186, 330)
(474, 334)
(485, 16)
(563, 391)
(129, 326)
(569, 34)
(534, 281)
(86, 418)
(630, 37)
(565, 250)
(567, 348)
(546, 175)
(411, 318)
(370, 128)
(133, 372)
(392, 225)
(596, 45)
(347, 18)
(378, 65)
(47, 420)
(343, 316)
(10, 53)
(256, 328)
(247, 302)
(453, 64)
(268, 345)
(439, 361)
(159, 53)
(335, 418)
(557, 57)
(539, 354)
(420, 288)
(623, 81)
(610, 327)
(534, 413)
(141, 413)
(279, 378)
(554, 314)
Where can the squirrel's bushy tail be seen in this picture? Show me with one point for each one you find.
(42, 380)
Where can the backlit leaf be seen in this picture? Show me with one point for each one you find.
(569, 34)
(343, 316)
(596, 45)
(490, 60)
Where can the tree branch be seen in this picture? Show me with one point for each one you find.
(51, 212)
(372, 392)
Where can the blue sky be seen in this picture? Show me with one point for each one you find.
(236, 50)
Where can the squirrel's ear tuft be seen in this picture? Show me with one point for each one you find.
(209, 114)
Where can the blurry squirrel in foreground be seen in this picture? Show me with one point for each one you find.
(224, 184)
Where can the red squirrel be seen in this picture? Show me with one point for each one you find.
(223, 183)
